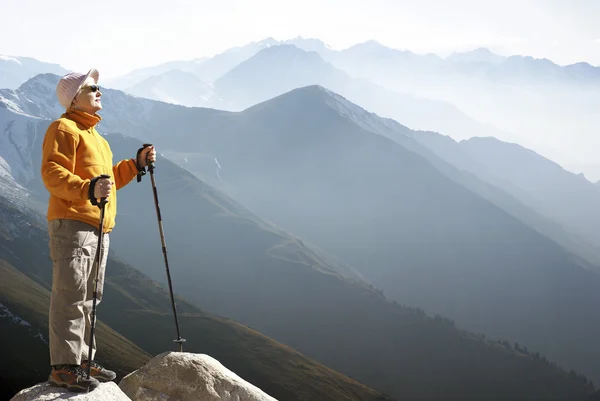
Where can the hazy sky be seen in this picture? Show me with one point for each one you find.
(117, 36)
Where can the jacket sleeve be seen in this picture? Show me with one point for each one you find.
(124, 171)
(58, 165)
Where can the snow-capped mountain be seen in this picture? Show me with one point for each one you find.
(36, 97)
(14, 193)
(24, 114)
(16, 70)
(17, 135)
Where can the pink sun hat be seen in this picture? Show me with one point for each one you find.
(69, 85)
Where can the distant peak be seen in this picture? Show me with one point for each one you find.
(270, 41)
(9, 58)
(308, 43)
(47, 80)
(375, 48)
(288, 50)
(372, 43)
(318, 93)
(480, 54)
(481, 50)
(312, 94)
(313, 90)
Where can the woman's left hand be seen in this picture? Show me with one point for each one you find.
(147, 154)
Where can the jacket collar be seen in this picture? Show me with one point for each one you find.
(81, 117)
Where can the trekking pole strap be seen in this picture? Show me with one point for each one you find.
(141, 170)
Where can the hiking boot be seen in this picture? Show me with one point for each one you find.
(98, 372)
(72, 377)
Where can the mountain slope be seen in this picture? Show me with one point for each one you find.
(412, 346)
(24, 338)
(423, 241)
(299, 161)
(447, 156)
(565, 197)
(141, 310)
(239, 266)
(542, 185)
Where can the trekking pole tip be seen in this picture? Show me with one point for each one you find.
(180, 341)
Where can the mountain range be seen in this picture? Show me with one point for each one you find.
(238, 265)
(519, 99)
(542, 184)
(301, 161)
(276, 69)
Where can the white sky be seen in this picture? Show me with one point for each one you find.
(117, 36)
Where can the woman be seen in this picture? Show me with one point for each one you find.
(74, 156)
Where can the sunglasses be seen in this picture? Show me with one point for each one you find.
(92, 88)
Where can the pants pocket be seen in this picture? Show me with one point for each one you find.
(70, 269)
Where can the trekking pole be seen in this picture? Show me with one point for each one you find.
(179, 340)
(97, 261)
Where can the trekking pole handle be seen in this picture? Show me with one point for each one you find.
(103, 201)
(148, 162)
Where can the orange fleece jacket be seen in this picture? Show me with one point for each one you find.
(72, 154)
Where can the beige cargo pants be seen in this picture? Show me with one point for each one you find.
(72, 250)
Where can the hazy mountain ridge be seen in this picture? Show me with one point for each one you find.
(531, 101)
(179, 87)
(479, 61)
(248, 162)
(514, 98)
(543, 185)
(494, 90)
(222, 293)
(443, 153)
(282, 66)
(567, 198)
(279, 69)
(136, 76)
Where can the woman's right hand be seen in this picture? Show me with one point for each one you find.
(103, 188)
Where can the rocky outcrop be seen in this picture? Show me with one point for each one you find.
(180, 376)
(188, 377)
(46, 392)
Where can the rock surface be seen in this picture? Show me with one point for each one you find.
(45, 392)
(185, 376)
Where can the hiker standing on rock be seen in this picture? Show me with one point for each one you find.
(74, 156)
